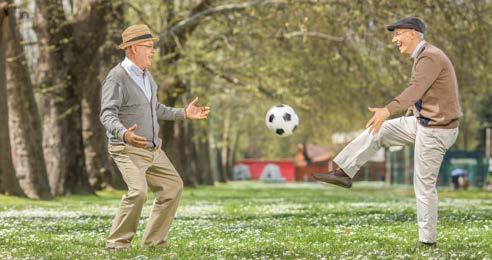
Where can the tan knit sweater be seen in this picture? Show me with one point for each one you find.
(432, 95)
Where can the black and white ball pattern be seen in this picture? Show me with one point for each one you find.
(282, 120)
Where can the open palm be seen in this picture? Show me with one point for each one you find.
(195, 112)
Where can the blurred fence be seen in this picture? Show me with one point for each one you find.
(400, 166)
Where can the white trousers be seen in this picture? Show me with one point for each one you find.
(430, 146)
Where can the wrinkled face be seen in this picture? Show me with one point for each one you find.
(405, 40)
(142, 53)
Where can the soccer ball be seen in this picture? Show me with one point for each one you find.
(282, 120)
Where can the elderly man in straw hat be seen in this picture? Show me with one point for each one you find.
(129, 112)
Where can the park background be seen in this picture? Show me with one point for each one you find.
(328, 59)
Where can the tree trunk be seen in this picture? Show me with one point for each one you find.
(67, 51)
(214, 156)
(179, 153)
(8, 182)
(224, 149)
(220, 165)
(173, 132)
(189, 160)
(24, 121)
(6, 166)
(62, 135)
(100, 167)
(232, 155)
(203, 157)
(199, 166)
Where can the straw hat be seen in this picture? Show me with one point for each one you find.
(135, 34)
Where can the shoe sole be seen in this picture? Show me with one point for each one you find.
(334, 183)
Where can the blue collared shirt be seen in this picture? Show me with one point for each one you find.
(417, 49)
(138, 75)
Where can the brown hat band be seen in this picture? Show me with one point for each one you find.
(141, 37)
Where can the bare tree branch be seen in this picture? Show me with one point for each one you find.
(204, 4)
(176, 41)
(311, 34)
(187, 25)
(174, 37)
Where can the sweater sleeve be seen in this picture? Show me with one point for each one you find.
(111, 99)
(427, 70)
(164, 112)
(169, 113)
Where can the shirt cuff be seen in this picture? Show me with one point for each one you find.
(180, 114)
(121, 134)
(393, 107)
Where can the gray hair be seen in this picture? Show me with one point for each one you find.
(421, 35)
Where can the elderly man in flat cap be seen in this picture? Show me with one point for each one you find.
(431, 123)
(129, 112)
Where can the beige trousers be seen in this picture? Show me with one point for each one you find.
(142, 168)
(430, 146)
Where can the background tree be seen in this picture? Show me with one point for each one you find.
(67, 51)
(328, 59)
(23, 118)
(8, 181)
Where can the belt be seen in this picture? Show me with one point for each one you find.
(152, 149)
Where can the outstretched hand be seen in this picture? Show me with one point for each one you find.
(135, 140)
(380, 114)
(194, 112)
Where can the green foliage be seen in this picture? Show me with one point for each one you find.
(485, 108)
(329, 60)
(254, 220)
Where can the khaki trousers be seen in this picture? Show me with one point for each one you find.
(430, 146)
(142, 168)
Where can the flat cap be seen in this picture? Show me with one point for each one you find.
(408, 23)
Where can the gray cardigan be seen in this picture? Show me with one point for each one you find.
(123, 104)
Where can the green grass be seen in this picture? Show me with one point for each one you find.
(260, 221)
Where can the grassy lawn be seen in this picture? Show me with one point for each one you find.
(255, 220)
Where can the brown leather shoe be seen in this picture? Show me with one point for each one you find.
(337, 177)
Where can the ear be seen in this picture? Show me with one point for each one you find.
(414, 34)
(129, 50)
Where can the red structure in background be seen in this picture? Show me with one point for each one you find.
(313, 159)
(257, 167)
(319, 160)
